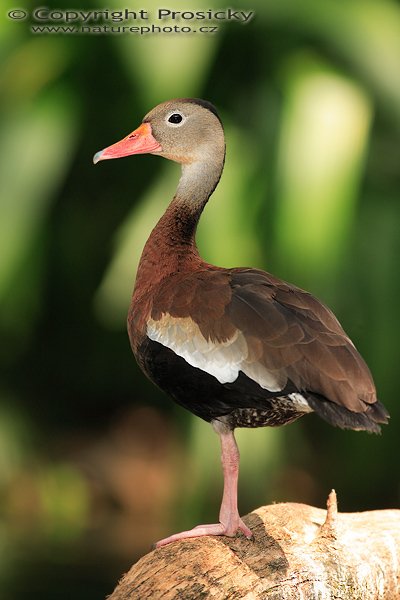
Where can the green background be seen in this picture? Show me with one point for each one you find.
(95, 463)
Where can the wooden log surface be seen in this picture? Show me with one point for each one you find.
(298, 552)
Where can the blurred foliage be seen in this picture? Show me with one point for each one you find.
(95, 463)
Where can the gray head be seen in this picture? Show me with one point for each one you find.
(186, 130)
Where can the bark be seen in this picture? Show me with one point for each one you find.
(298, 552)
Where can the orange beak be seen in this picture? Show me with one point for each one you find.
(139, 141)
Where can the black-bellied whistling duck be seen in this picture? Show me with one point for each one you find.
(237, 347)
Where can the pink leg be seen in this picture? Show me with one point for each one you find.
(230, 521)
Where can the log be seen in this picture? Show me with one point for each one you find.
(298, 552)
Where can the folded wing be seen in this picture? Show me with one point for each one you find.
(244, 320)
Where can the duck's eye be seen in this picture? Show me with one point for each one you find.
(176, 118)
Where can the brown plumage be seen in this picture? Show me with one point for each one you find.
(237, 347)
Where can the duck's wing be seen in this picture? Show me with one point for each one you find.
(244, 320)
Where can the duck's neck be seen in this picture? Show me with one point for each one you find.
(171, 246)
(179, 222)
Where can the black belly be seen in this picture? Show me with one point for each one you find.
(244, 403)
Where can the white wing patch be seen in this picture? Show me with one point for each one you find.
(300, 402)
(223, 360)
(267, 380)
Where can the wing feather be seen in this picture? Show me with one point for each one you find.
(224, 322)
(313, 350)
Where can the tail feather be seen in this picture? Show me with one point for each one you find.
(342, 417)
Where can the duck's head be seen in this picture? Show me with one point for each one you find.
(185, 130)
